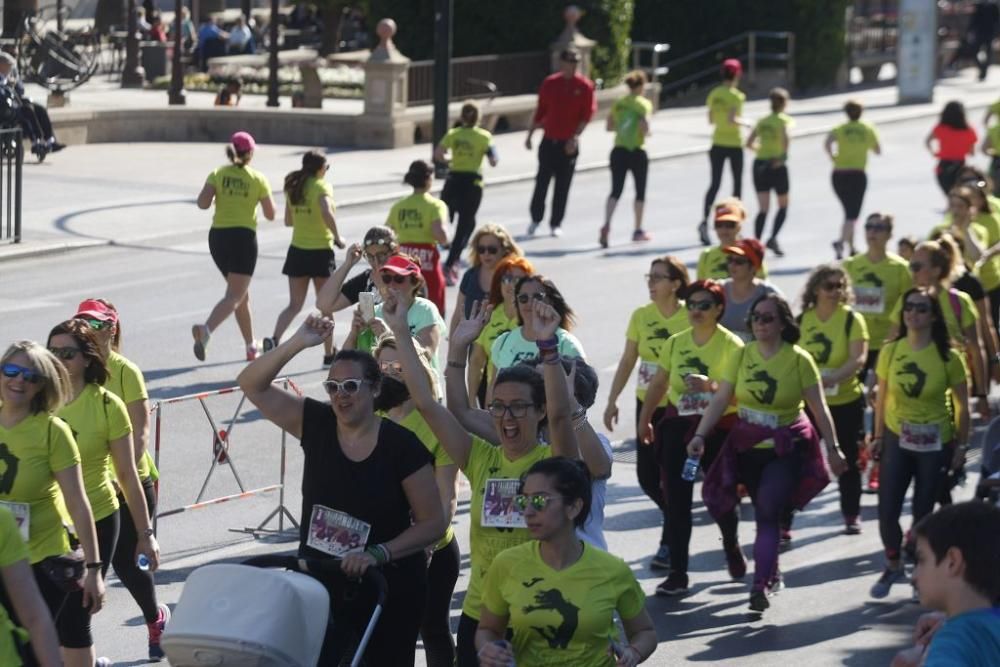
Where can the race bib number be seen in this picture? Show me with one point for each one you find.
(869, 300)
(336, 533)
(829, 390)
(759, 418)
(920, 437)
(499, 510)
(22, 516)
(647, 371)
(693, 403)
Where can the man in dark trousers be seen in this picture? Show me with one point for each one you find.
(565, 105)
(983, 28)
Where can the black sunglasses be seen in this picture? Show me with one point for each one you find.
(762, 318)
(526, 298)
(875, 227)
(830, 286)
(703, 305)
(920, 308)
(394, 278)
(916, 266)
(65, 353)
(488, 249)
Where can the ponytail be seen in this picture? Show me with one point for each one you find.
(239, 159)
(295, 181)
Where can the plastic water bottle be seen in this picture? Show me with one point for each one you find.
(142, 562)
(690, 469)
(504, 644)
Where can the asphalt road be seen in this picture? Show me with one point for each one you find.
(164, 284)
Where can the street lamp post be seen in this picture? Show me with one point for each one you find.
(442, 74)
(272, 58)
(132, 74)
(176, 93)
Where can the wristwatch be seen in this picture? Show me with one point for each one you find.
(148, 532)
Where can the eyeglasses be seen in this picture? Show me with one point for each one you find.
(762, 318)
(349, 387)
(517, 409)
(875, 227)
(97, 325)
(509, 278)
(738, 261)
(382, 241)
(394, 278)
(916, 266)
(393, 367)
(13, 370)
(526, 298)
(830, 286)
(919, 308)
(488, 249)
(377, 257)
(703, 305)
(725, 224)
(65, 353)
(657, 277)
(537, 500)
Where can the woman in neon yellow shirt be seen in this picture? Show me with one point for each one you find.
(920, 379)
(853, 140)
(648, 329)
(629, 120)
(33, 386)
(725, 105)
(557, 572)
(770, 172)
(309, 210)
(236, 189)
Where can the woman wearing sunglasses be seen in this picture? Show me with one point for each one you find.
(33, 387)
(772, 447)
(743, 287)
(368, 489)
(236, 189)
(504, 318)
(921, 421)
(687, 373)
(557, 570)
(126, 381)
(837, 338)
(445, 559)
(492, 447)
(421, 224)
(648, 328)
(490, 245)
(309, 212)
(729, 218)
(338, 292)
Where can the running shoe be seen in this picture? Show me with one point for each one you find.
(773, 246)
(268, 343)
(703, 233)
(155, 630)
(852, 526)
(55, 146)
(661, 560)
(451, 276)
(776, 584)
(532, 228)
(758, 601)
(640, 235)
(557, 232)
(675, 584)
(872, 486)
(201, 335)
(890, 576)
(736, 562)
(103, 662)
(785, 542)
(252, 351)
(328, 360)
(838, 249)
(603, 239)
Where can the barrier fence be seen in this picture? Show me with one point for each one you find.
(223, 456)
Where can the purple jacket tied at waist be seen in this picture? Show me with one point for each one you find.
(799, 437)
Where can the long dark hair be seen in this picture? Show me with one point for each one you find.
(238, 158)
(939, 328)
(571, 479)
(953, 115)
(567, 318)
(295, 181)
(790, 332)
(97, 369)
(370, 372)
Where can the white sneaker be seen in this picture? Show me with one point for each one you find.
(557, 232)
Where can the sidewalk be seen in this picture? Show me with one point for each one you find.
(368, 176)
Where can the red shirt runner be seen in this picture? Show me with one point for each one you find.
(564, 104)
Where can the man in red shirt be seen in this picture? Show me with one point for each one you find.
(565, 105)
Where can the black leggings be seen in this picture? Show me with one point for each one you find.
(138, 583)
(850, 186)
(435, 629)
(467, 627)
(462, 192)
(898, 466)
(552, 163)
(623, 161)
(947, 173)
(848, 420)
(673, 453)
(717, 156)
(647, 469)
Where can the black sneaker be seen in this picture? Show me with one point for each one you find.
(703, 233)
(736, 562)
(890, 576)
(758, 601)
(773, 246)
(675, 584)
(661, 559)
(328, 360)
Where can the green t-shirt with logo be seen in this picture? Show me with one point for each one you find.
(12, 550)
(468, 146)
(723, 101)
(309, 229)
(769, 392)
(238, 190)
(854, 139)
(125, 381)
(877, 287)
(562, 617)
(770, 132)
(649, 329)
(628, 113)
(682, 356)
(829, 344)
(412, 218)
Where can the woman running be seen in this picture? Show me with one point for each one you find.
(126, 381)
(854, 139)
(352, 456)
(713, 262)
(629, 120)
(743, 287)
(490, 245)
(648, 329)
(236, 189)
(688, 373)
(837, 338)
(725, 104)
(442, 571)
(420, 222)
(463, 189)
(770, 140)
(338, 292)
(950, 141)
(554, 496)
(33, 387)
(772, 448)
(991, 147)
(922, 384)
(309, 210)
(522, 397)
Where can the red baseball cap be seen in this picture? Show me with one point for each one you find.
(730, 210)
(94, 309)
(401, 266)
(752, 249)
(731, 67)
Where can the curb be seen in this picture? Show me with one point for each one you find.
(19, 251)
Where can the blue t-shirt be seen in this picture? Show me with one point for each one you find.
(971, 639)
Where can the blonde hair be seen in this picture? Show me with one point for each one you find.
(508, 248)
(55, 389)
(426, 359)
(944, 257)
(820, 274)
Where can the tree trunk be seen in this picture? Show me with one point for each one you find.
(14, 13)
(332, 13)
(110, 14)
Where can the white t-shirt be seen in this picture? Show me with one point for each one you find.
(592, 531)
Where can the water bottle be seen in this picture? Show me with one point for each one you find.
(142, 562)
(690, 469)
(504, 644)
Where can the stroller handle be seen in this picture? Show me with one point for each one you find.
(319, 567)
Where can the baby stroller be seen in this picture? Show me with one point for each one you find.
(989, 481)
(250, 615)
